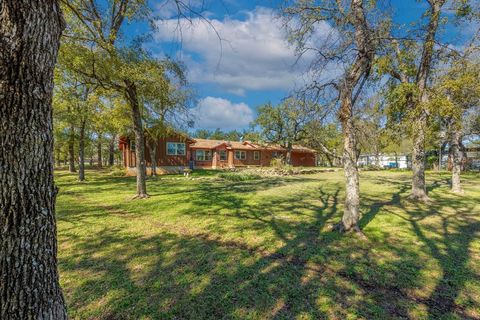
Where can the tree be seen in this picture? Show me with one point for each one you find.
(412, 75)
(285, 123)
(326, 139)
(353, 33)
(75, 103)
(30, 34)
(202, 134)
(99, 53)
(93, 40)
(167, 111)
(455, 94)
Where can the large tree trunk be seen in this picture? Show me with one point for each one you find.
(132, 98)
(288, 158)
(99, 151)
(29, 39)
(153, 157)
(360, 68)
(351, 214)
(455, 141)
(419, 191)
(111, 151)
(71, 150)
(81, 152)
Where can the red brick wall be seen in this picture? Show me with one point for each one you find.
(303, 159)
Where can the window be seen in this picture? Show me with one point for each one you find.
(175, 149)
(203, 155)
(240, 155)
(132, 146)
(256, 155)
(223, 155)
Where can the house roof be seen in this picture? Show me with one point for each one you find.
(245, 145)
(213, 144)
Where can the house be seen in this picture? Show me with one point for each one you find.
(176, 152)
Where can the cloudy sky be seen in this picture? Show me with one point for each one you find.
(238, 57)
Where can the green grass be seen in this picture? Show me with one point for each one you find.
(261, 249)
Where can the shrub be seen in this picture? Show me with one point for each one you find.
(277, 163)
(238, 176)
(118, 171)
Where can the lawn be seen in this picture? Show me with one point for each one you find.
(261, 249)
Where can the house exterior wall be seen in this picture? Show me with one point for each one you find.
(163, 159)
(303, 159)
(248, 161)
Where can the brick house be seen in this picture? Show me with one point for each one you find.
(176, 152)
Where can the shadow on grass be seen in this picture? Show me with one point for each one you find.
(192, 274)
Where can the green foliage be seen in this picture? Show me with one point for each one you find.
(286, 122)
(233, 135)
(238, 176)
(118, 171)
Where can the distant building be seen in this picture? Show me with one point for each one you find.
(385, 161)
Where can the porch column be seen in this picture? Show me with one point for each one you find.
(214, 159)
(230, 159)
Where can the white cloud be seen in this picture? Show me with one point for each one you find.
(212, 113)
(252, 55)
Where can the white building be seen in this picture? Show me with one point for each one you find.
(384, 161)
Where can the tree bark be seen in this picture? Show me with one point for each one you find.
(111, 151)
(71, 150)
(81, 152)
(29, 282)
(360, 68)
(419, 191)
(153, 157)
(351, 214)
(99, 151)
(132, 98)
(455, 141)
(288, 159)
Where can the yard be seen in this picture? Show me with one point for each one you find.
(260, 249)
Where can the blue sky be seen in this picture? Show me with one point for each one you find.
(252, 64)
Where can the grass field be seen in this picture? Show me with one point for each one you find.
(262, 249)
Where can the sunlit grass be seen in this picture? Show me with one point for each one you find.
(210, 248)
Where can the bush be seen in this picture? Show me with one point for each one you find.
(238, 176)
(277, 163)
(118, 171)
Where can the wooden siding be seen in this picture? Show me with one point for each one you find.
(164, 160)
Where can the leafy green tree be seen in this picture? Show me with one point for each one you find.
(285, 123)
(202, 134)
(326, 138)
(167, 113)
(94, 49)
(455, 94)
(410, 61)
